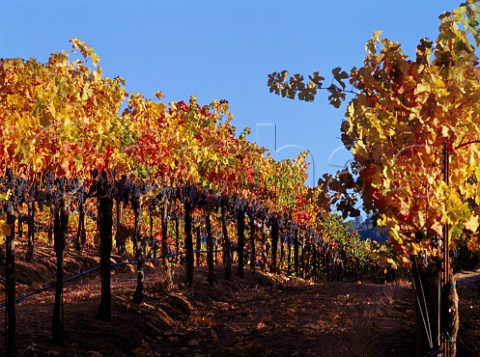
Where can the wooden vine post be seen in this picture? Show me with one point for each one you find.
(10, 316)
(59, 236)
(444, 275)
(241, 241)
(253, 257)
(198, 244)
(105, 220)
(295, 250)
(188, 241)
(30, 231)
(165, 234)
(227, 257)
(139, 295)
(210, 248)
(275, 231)
(448, 313)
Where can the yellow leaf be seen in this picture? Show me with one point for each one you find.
(404, 208)
(437, 228)
(86, 92)
(392, 263)
(472, 224)
(85, 50)
(4, 229)
(415, 249)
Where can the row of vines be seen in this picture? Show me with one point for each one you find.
(412, 126)
(69, 153)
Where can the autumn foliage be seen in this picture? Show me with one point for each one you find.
(406, 116)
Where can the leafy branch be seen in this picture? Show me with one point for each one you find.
(296, 86)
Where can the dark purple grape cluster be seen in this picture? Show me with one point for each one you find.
(436, 241)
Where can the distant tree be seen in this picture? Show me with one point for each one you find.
(367, 230)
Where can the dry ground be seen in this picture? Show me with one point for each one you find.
(259, 315)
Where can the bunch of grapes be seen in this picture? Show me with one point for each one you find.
(272, 218)
(211, 200)
(135, 197)
(171, 193)
(238, 204)
(436, 241)
(123, 187)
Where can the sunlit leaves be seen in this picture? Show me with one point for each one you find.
(403, 114)
(371, 46)
(4, 229)
(467, 14)
(85, 50)
(64, 117)
(398, 124)
(306, 91)
(59, 116)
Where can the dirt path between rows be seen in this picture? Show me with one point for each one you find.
(259, 315)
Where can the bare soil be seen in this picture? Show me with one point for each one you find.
(259, 315)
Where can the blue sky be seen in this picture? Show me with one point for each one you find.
(225, 50)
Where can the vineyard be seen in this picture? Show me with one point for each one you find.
(162, 183)
(94, 179)
(262, 313)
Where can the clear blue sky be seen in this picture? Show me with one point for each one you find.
(224, 50)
